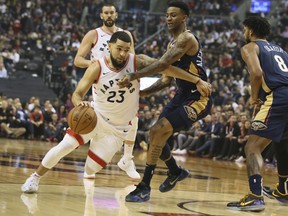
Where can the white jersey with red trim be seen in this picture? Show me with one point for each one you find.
(100, 48)
(118, 106)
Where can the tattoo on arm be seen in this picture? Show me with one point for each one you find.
(143, 61)
(171, 55)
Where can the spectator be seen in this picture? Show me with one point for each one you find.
(229, 148)
(37, 119)
(3, 71)
(25, 122)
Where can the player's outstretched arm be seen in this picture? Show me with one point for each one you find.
(203, 87)
(185, 41)
(143, 61)
(161, 83)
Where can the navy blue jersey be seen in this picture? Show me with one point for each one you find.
(194, 65)
(274, 63)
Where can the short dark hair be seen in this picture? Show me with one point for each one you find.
(259, 25)
(121, 35)
(108, 4)
(181, 5)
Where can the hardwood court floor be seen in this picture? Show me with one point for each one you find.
(63, 191)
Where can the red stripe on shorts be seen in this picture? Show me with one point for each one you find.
(97, 159)
(76, 136)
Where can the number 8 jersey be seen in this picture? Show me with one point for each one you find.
(117, 105)
(274, 63)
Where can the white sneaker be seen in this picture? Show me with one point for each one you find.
(240, 159)
(129, 167)
(86, 176)
(176, 151)
(182, 152)
(30, 201)
(31, 185)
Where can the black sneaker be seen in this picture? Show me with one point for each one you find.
(250, 202)
(267, 191)
(276, 194)
(140, 194)
(171, 180)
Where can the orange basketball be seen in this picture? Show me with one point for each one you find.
(82, 119)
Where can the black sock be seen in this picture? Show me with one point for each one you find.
(172, 166)
(255, 184)
(148, 173)
(283, 185)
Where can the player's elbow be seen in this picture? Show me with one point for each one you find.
(166, 80)
(76, 61)
(257, 75)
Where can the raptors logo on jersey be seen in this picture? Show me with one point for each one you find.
(108, 97)
(100, 48)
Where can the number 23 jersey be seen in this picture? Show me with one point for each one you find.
(117, 105)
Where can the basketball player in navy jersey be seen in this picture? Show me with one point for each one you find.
(268, 67)
(187, 106)
(95, 43)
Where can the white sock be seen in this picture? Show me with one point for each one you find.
(128, 150)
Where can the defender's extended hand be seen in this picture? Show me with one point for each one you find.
(204, 88)
(124, 82)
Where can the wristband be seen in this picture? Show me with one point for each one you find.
(197, 81)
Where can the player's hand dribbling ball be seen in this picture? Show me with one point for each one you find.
(82, 119)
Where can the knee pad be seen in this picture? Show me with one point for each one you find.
(67, 145)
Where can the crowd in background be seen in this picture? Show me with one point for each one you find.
(51, 28)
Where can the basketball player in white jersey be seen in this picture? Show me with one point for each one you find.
(115, 108)
(95, 42)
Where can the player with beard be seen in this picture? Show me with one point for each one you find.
(184, 109)
(115, 108)
(95, 43)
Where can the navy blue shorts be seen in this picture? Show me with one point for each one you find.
(182, 111)
(272, 119)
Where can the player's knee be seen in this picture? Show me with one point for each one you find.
(157, 131)
(154, 131)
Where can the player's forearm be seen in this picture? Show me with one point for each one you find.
(180, 74)
(157, 86)
(256, 82)
(82, 62)
(76, 98)
(152, 69)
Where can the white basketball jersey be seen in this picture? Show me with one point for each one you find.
(100, 48)
(117, 105)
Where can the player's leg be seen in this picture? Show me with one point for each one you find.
(67, 145)
(268, 124)
(176, 115)
(189, 113)
(254, 200)
(102, 149)
(159, 134)
(281, 153)
(126, 163)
